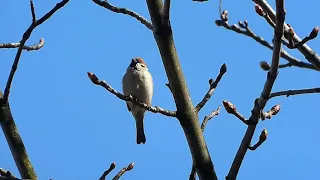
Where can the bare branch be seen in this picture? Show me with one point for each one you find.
(28, 48)
(231, 109)
(133, 14)
(25, 37)
(249, 33)
(263, 136)
(309, 54)
(262, 100)
(104, 175)
(94, 79)
(123, 170)
(192, 175)
(32, 11)
(213, 85)
(294, 92)
(209, 117)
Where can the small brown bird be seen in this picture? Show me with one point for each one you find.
(138, 83)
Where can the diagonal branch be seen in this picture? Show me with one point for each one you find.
(262, 100)
(186, 115)
(133, 14)
(206, 119)
(123, 170)
(213, 85)
(294, 92)
(25, 37)
(7, 122)
(94, 79)
(249, 33)
(309, 54)
(28, 48)
(104, 175)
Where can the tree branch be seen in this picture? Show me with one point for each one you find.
(262, 138)
(28, 48)
(309, 54)
(185, 109)
(249, 33)
(94, 79)
(133, 14)
(104, 175)
(294, 92)
(206, 119)
(25, 37)
(6, 120)
(261, 102)
(213, 85)
(123, 170)
(15, 142)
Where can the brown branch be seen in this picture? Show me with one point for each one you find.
(25, 37)
(123, 170)
(126, 11)
(262, 100)
(262, 138)
(213, 85)
(231, 109)
(209, 117)
(28, 48)
(249, 33)
(206, 119)
(186, 115)
(104, 175)
(309, 54)
(94, 79)
(294, 92)
(6, 120)
(32, 11)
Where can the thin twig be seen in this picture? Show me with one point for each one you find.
(32, 11)
(8, 125)
(213, 85)
(262, 138)
(295, 92)
(231, 109)
(262, 100)
(28, 48)
(133, 14)
(123, 170)
(249, 33)
(104, 175)
(209, 117)
(25, 37)
(94, 79)
(216, 112)
(309, 54)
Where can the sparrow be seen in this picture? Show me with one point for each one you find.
(138, 83)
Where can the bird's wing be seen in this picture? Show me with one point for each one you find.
(126, 90)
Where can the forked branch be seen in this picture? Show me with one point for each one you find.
(262, 100)
(126, 11)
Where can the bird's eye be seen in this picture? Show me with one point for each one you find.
(142, 65)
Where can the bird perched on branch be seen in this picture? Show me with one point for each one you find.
(138, 83)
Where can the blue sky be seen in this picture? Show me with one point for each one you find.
(73, 129)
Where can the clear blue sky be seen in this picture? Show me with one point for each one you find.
(73, 129)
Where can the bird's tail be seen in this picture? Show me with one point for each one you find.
(141, 138)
